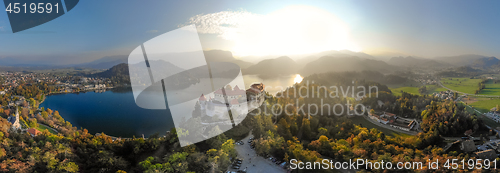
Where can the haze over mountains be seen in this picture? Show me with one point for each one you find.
(476, 61)
(278, 66)
(308, 64)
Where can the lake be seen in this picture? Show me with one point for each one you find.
(275, 84)
(115, 113)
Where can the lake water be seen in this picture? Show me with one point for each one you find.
(273, 85)
(115, 113)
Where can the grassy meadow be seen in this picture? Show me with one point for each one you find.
(492, 88)
(414, 90)
(465, 85)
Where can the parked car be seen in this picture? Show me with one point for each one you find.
(236, 167)
(283, 165)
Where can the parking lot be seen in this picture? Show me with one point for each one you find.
(252, 162)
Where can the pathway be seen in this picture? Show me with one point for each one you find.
(250, 158)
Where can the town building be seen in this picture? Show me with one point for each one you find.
(486, 154)
(468, 146)
(394, 121)
(34, 132)
(385, 118)
(493, 115)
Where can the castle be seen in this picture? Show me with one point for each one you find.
(237, 100)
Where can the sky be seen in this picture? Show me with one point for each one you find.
(426, 28)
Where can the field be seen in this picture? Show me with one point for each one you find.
(414, 90)
(485, 105)
(465, 85)
(434, 88)
(42, 128)
(397, 91)
(491, 88)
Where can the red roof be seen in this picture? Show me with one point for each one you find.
(202, 98)
(34, 132)
(256, 88)
(234, 102)
(389, 114)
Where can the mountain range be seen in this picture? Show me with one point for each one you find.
(326, 61)
(277, 66)
(411, 61)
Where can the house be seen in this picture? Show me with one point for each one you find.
(468, 146)
(34, 132)
(487, 154)
(387, 118)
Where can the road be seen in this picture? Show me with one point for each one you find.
(250, 158)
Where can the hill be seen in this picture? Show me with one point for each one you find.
(342, 53)
(211, 55)
(225, 56)
(273, 67)
(104, 63)
(415, 62)
(460, 60)
(118, 73)
(335, 64)
(485, 62)
(463, 71)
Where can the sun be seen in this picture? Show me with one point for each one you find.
(290, 31)
(297, 79)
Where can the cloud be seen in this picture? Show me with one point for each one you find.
(291, 30)
(152, 31)
(225, 24)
